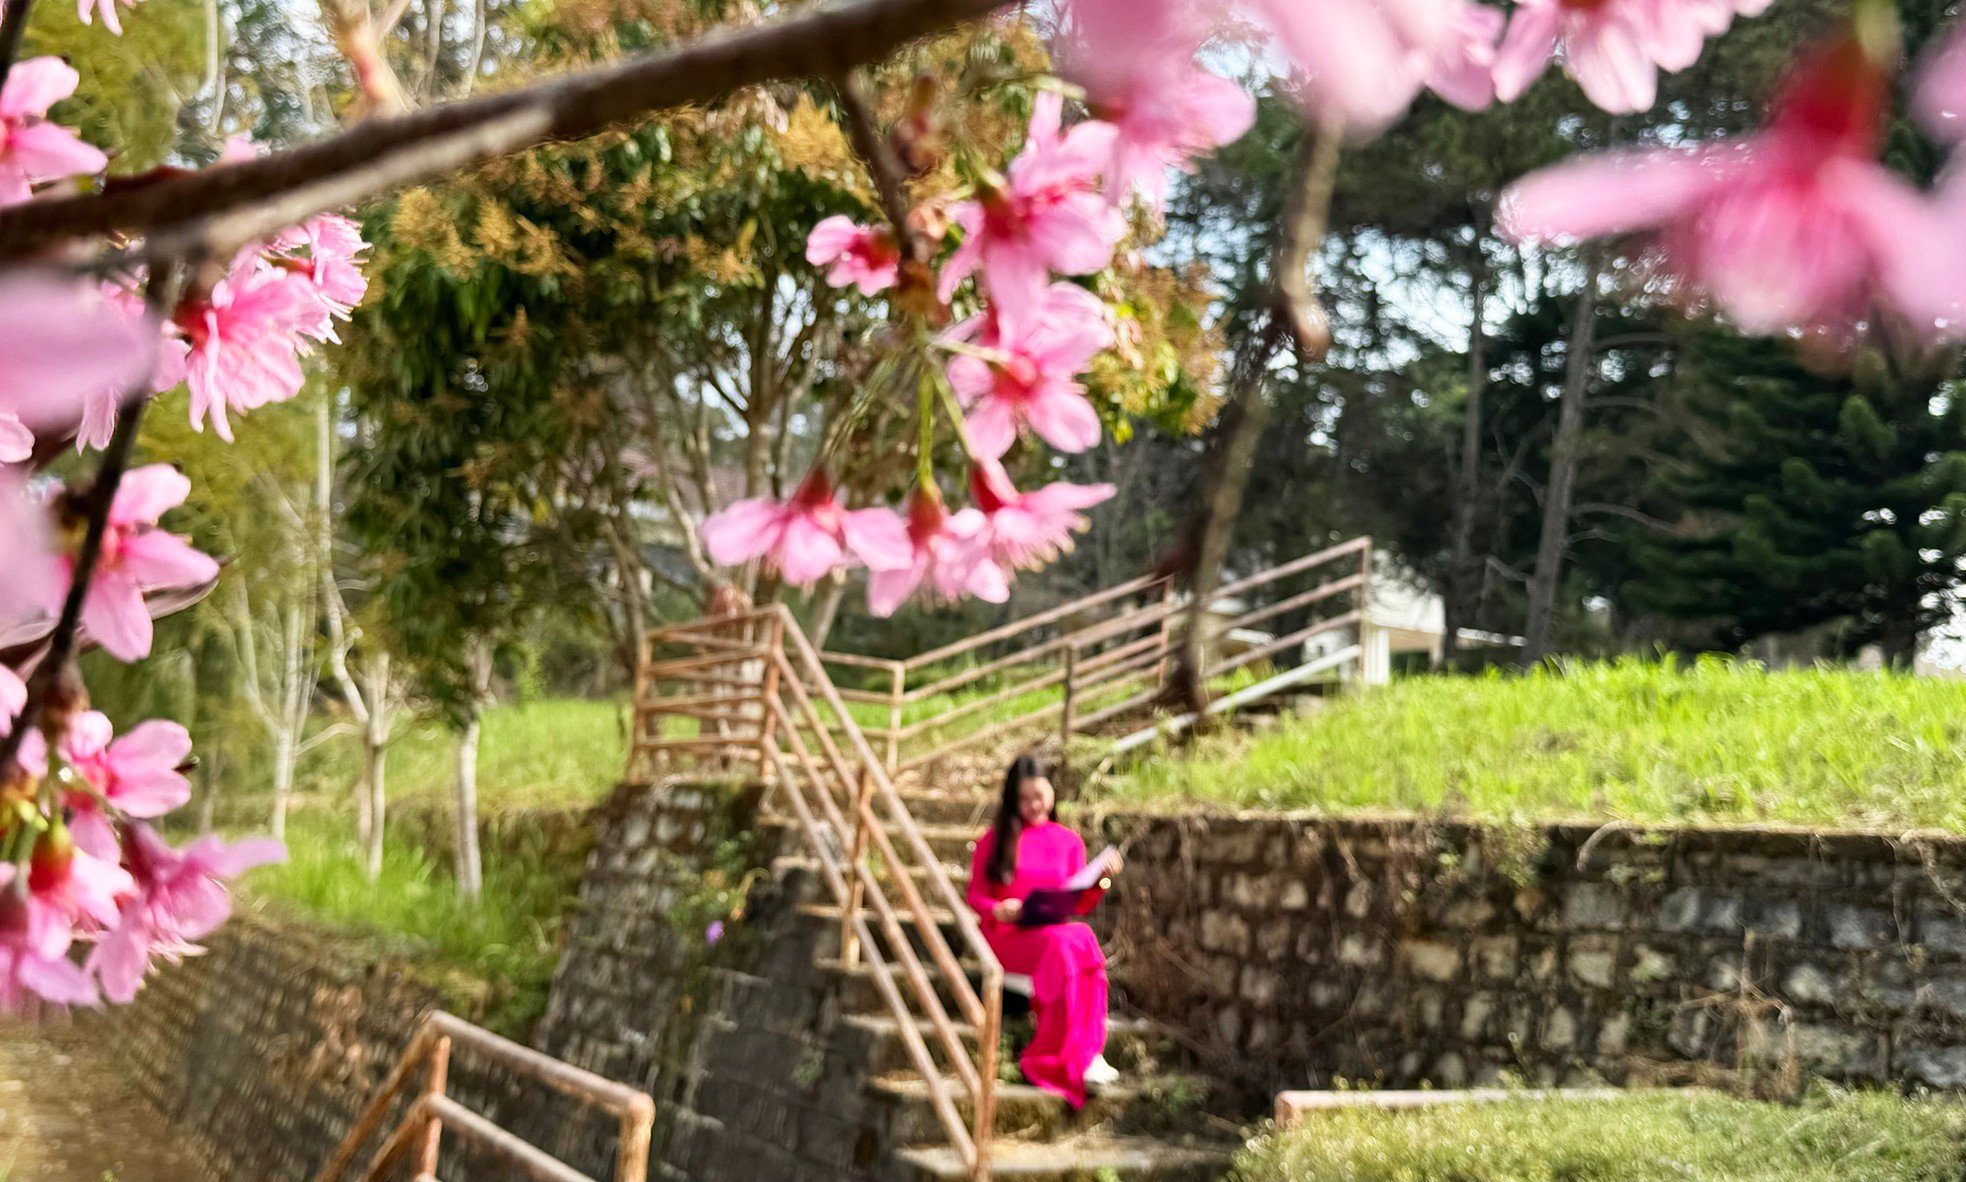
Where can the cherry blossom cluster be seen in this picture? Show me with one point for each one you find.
(90, 894)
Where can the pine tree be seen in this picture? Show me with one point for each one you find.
(1813, 498)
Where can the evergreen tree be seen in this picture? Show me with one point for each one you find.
(1812, 498)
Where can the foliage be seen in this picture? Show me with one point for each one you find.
(1708, 741)
(1659, 1137)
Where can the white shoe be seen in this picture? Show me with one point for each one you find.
(1100, 1073)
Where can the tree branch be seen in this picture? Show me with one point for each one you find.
(224, 208)
(13, 26)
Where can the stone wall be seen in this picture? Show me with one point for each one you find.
(1296, 951)
(265, 1048)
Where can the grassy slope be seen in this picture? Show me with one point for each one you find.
(1660, 1138)
(1711, 742)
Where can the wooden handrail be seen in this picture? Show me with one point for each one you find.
(433, 1111)
(1004, 632)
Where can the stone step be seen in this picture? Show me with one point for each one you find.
(1135, 1046)
(1029, 1113)
(1092, 1157)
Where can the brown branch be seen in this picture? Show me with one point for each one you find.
(875, 151)
(261, 197)
(13, 26)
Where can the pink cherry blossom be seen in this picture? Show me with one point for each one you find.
(1797, 226)
(1164, 120)
(1047, 216)
(32, 149)
(243, 338)
(946, 559)
(865, 256)
(65, 344)
(1613, 48)
(34, 942)
(1938, 97)
(137, 557)
(179, 897)
(16, 441)
(332, 262)
(34, 574)
(809, 536)
(1112, 46)
(1366, 60)
(13, 696)
(1025, 530)
(82, 888)
(110, 19)
(1034, 381)
(135, 775)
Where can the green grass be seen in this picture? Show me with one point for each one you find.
(494, 958)
(1646, 1138)
(552, 752)
(1713, 741)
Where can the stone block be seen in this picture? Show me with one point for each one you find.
(1613, 1034)
(1594, 907)
(1496, 956)
(1934, 1066)
(1222, 931)
(1649, 965)
(1475, 1013)
(1594, 961)
(1810, 985)
(1431, 959)
(1560, 1030)
(1295, 896)
(1260, 986)
(1359, 952)
(1860, 928)
(1358, 900)
(1779, 918)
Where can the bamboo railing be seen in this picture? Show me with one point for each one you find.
(418, 1135)
(1083, 663)
(749, 692)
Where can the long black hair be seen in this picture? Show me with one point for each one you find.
(1010, 822)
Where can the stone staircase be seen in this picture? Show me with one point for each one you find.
(1153, 1126)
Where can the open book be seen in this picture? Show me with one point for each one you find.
(1079, 895)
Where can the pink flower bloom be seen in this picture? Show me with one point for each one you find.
(65, 344)
(34, 574)
(1797, 226)
(1165, 120)
(136, 775)
(946, 558)
(32, 149)
(1366, 60)
(864, 256)
(34, 942)
(137, 557)
(110, 19)
(16, 441)
(13, 696)
(1048, 216)
(1035, 384)
(1112, 46)
(1938, 96)
(809, 536)
(179, 897)
(1026, 530)
(82, 888)
(244, 346)
(1613, 48)
(332, 263)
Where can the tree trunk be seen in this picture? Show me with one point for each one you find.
(1461, 574)
(1578, 366)
(827, 608)
(283, 782)
(375, 765)
(470, 867)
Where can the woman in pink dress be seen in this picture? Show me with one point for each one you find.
(1026, 850)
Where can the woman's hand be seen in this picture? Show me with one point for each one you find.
(1114, 863)
(1008, 910)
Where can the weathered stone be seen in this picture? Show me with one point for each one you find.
(1853, 927)
(1680, 910)
(1594, 960)
(1260, 986)
(1809, 985)
(1254, 892)
(1560, 1030)
(1649, 964)
(1358, 900)
(1475, 1014)
(1612, 1034)
(1948, 994)
(1496, 955)
(1593, 906)
(1294, 897)
(1780, 918)
(1450, 1070)
(1431, 959)
(1222, 931)
(1937, 1067)
(1357, 951)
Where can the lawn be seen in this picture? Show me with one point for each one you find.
(1711, 741)
(1664, 1137)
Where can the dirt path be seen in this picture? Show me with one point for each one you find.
(67, 1114)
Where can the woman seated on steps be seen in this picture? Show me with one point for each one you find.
(1026, 850)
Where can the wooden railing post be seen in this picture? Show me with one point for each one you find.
(1066, 716)
(897, 690)
(988, 1039)
(863, 792)
(434, 1083)
(767, 691)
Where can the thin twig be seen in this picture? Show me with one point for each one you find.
(13, 26)
(94, 506)
(889, 177)
(381, 154)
